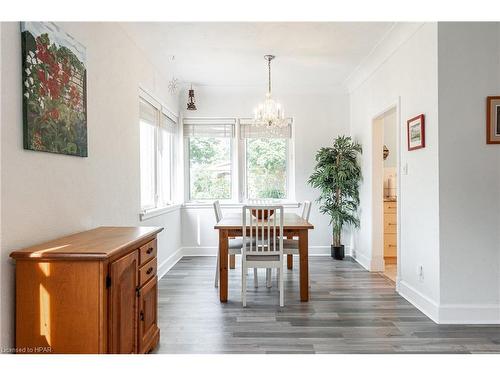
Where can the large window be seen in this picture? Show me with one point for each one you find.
(266, 168)
(157, 127)
(209, 150)
(267, 158)
(212, 153)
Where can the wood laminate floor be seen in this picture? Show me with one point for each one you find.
(350, 311)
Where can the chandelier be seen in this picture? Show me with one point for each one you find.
(270, 113)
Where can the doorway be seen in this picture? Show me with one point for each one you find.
(385, 193)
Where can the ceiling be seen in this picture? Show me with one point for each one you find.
(231, 54)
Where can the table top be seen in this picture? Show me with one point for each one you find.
(97, 243)
(291, 221)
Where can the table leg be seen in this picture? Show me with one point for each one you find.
(223, 255)
(304, 265)
(232, 261)
(289, 257)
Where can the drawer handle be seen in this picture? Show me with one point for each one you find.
(149, 251)
(391, 223)
(150, 269)
(141, 315)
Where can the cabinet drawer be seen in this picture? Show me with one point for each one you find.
(390, 223)
(390, 245)
(147, 252)
(390, 207)
(147, 271)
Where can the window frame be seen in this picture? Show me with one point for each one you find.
(160, 109)
(187, 159)
(238, 168)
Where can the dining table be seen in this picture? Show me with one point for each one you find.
(231, 225)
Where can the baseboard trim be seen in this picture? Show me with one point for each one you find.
(420, 301)
(168, 263)
(362, 260)
(462, 313)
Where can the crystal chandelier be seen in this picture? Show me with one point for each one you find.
(270, 113)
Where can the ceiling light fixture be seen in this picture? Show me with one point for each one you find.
(173, 84)
(270, 113)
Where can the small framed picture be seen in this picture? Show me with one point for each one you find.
(416, 132)
(493, 119)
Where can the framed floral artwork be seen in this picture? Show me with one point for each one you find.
(416, 132)
(54, 90)
(493, 119)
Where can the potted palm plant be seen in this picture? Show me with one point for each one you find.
(337, 175)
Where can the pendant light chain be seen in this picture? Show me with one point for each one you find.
(269, 68)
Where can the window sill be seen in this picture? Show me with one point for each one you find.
(148, 214)
(195, 205)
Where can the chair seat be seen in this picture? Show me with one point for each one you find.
(235, 245)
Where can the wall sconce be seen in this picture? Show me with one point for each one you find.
(190, 105)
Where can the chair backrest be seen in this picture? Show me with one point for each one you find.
(263, 236)
(217, 211)
(306, 210)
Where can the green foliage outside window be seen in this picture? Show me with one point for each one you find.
(210, 168)
(266, 168)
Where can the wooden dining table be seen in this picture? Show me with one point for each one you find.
(293, 226)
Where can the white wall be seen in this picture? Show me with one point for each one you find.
(319, 117)
(469, 181)
(47, 195)
(407, 75)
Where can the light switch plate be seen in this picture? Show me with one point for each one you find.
(405, 168)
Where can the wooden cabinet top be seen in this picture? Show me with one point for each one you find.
(98, 243)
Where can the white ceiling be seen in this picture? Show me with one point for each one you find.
(231, 54)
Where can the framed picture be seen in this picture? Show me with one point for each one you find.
(54, 90)
(416, 132)
(493, 119)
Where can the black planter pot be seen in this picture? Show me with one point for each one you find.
(337, 252)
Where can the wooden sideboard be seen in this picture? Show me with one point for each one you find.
(90, 292)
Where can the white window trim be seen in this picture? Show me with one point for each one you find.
(160, 209)
(238, 172)
(148, 214)
(209, 204)
(187, 174)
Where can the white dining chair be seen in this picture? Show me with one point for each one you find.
(234, 247)
(267, 250)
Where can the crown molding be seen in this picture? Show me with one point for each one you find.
(397, 35)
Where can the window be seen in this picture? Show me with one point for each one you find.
(264, 161)
(209, 148)
(157, 132)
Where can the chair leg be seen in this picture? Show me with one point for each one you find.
(282, 294)
(255, 278)
(244, 284)
(268, 277)
(216, 283)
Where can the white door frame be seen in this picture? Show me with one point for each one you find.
(377, 240)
